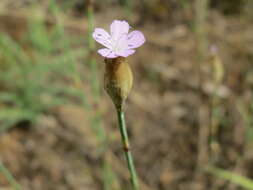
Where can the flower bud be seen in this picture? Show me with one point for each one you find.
(118, 80)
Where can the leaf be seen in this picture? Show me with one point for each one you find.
(234, 178)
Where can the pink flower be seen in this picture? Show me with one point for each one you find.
(119, 42)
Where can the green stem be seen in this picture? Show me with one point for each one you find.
(124, 138)
(9, 177)
(90, 18)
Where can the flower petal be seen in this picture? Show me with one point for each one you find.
(135, 39)
(102, 37)
(121, 44)
(118, 28)
(126, 53)
(107, 53)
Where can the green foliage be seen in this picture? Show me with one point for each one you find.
(33, 73)
(234, 178)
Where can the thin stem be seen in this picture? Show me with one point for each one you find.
(126, 148)
(9, 177)
(91, 47)
(201, 13)
(90, 17)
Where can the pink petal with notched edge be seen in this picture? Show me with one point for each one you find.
(107, 53)
(102, 37)
(126, 53)
(135, 39)
(118, 28)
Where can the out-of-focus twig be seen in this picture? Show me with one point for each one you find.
(201, 9)
(215, 102)
(9, 177)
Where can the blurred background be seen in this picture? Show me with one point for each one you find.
(189, 115)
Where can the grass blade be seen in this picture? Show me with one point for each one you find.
(234, 178)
